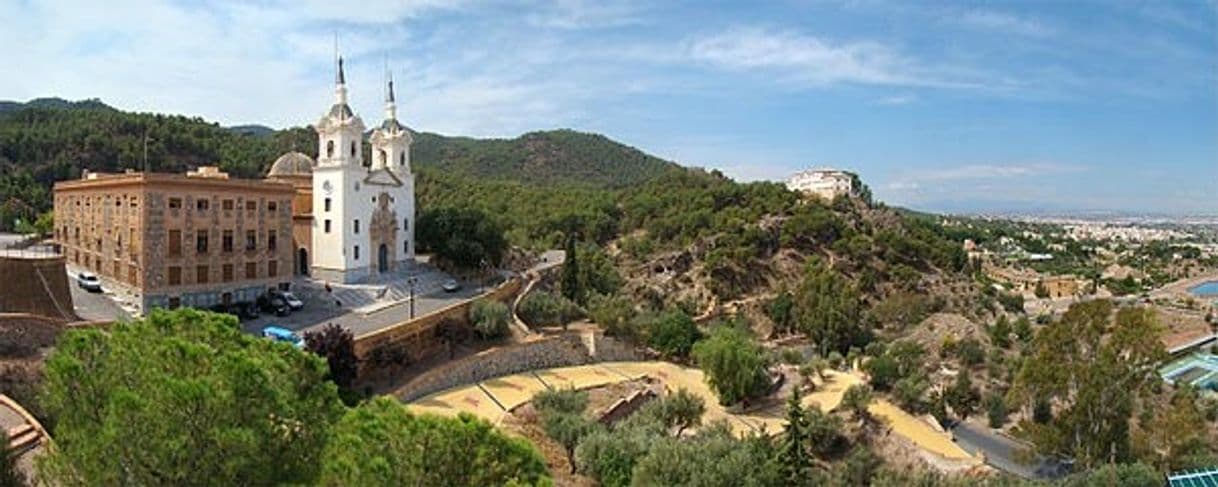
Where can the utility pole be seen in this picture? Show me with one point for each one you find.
(145, 150)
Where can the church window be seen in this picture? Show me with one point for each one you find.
(272, 268)
(384, 157)
(271, 241)
(405, 224)
(329, 148)
(356, 252)
(251, 240)
(251, 205)
(402, 159)
(356, 225)
(175, 275)
(353, 149)
(406, 247)
(327, 204)
(327, 226)
(201, 274)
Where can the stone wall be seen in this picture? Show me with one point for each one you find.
(557, 351)
(417, 339)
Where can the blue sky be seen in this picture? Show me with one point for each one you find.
(938, 105)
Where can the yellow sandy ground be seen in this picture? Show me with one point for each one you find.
(917, 431)
(514, 390)
(578, 377)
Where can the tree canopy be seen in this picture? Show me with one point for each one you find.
(381, 443)
(185, 398)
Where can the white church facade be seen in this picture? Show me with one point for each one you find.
(362, 211)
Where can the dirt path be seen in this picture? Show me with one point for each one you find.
(494, 398)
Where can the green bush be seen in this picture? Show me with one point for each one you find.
(734, 364)
(490, 318)
(542, 308)
(673, 334)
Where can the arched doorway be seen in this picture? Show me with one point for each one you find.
(302, 261)
(382, 258)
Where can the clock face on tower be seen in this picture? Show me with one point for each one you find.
(327, 187)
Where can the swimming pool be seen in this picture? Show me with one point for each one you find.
(1207, 288)
(1198, 369)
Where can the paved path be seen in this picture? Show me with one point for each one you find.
(1002, 452)
(492, 399)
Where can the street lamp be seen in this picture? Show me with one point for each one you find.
(412, 281)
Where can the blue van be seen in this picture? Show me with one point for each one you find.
(281, 334)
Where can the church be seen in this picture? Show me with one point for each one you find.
(352, 219)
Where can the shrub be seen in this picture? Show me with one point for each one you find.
(546, 309)
(970, 352)
(673, 334)
(734, 364)
(490, 319)
(337, 345)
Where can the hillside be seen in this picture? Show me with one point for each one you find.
(48, 140)
(545, 158)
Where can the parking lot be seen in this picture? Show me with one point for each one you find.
(320, 308)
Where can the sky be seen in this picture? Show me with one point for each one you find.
(948, 106)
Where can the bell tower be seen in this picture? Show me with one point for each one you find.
(340, 132)
(340, 203)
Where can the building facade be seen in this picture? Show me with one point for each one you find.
(169, 240)
(824, 183)
(363, 215)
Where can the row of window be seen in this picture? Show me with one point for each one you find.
(383, 156)
(132, 201)
(355, 225)
(226, 241)
(61, 234)
(228, 204)
(405, 250)
(203, 273)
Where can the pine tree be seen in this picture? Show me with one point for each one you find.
(794, 451)
(570, 273)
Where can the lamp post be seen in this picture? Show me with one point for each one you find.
(412, 281)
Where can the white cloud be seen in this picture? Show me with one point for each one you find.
(976, 172)
(897, 100)
(817, 61)
(583, 14)
(1005, 22)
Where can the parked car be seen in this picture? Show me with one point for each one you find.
(89, 282)
(451, 286)
(281, 334)
(270, 303)
(243, 311)
(293, 302)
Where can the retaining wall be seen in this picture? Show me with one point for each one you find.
(37, 285)
(558, 351)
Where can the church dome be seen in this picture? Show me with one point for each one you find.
(291, 164)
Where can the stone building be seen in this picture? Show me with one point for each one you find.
(169, 240)
(297, 169)
(824, 183)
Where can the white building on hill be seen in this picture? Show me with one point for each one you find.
(825, 183)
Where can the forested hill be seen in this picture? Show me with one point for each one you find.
(545, 158)
(50, 139)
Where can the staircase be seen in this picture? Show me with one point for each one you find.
(22, 439)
